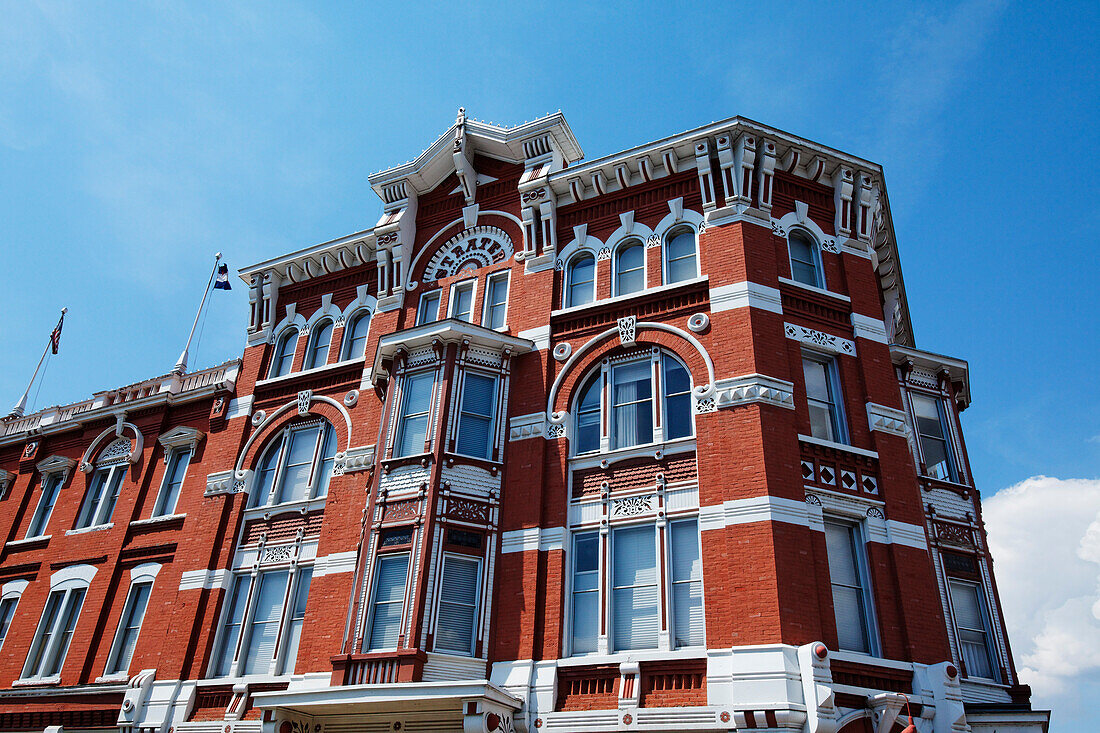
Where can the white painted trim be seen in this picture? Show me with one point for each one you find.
(814, 289)
(903, 533)
(72, 575)
(13, 588)
(744, 295)
(869, 328)
(529, 539)
(600, 303)
(838, 446)
(145, 570)
(240, 407)
(753, 509)
(208, 579)
(819, 340)
(887, 419)
(539, 334)
(334, 563)
(523, 427)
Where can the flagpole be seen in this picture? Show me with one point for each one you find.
(21, 405)
(181, 364)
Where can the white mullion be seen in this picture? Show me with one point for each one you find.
(315, 466)
(606, 407)
(604, 631)
(246, 622)
(655, 395)
(664, 584)
(284, 619)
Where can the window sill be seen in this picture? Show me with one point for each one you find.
(37, 681)
(86, 530)
(870, 660)
(814, 289)
(602, 302)
(164, 519)
(638, 655)
(28, 542)
(837, 446)
(252, 679)
(116, 677)
(304, 506)
(648, 450)
(307, 372)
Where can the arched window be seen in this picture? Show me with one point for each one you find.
(355, 335)
(805, 259)
(104, 485)
(321, 339)
(648, 400)
(50, 643)
(283, 360)
(580, 281)
(630, 268)
(296, 465)
(680, 260)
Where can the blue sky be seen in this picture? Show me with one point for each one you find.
(138, 139)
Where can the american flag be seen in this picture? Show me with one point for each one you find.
(55, 337)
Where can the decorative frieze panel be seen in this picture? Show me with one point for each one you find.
(220, 483)
(353, 459)
(832, 468)
(952, 533)
(821, 340)
(523, 427)
(466, 510)
(632, 506)
(482, 246)
(886, 419)
(399, 511)
(751, 388)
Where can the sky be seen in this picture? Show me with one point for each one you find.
(138, 139)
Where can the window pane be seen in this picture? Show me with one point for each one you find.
(297, 620)
(43, 634)
(56, 657)
(173, 482)
(582, 278)
(322, 339)
(110, 497)
(630, 270)
(971, 628)
(357, 336)
(284, 356)
(848, 593)
(298, 465)
(264, 629)
(586, 581)
(429, 308)
(497, 301)
(681, 257)
(677, 399)
(413, 428)
(328, 456)
(634, 599)
(129, 626)
(231, 629)
(7, 613)
(687, 584)
(632, 408)
(50, 488)
(803, 260)
(463, 302)
(588, 417)
(820, 400)
(265, 477)
(457, 605)
(92, 499)
(389, 600)
(933, 442)
(475, 422)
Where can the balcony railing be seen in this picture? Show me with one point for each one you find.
(378, 668)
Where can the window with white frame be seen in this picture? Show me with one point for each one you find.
(129, 626)
(456, 617)
(848, 577)
(930, 419)
(262, 623)
(413, 417)
(51, 487)
(971, 628)
(580, 280)
(629, 268)
(51, 640)
(638, 591)
(296, 465)
(496, 300)
(355, 335)
(805, 257)
(823, 398)
(681, 262)
(635, 416)
(320, 340)
(388, 601)
(103, 488)
(476, 415)
(462, 301)
(8, 605)
(173, 482)
(282, 359)
(428, 310)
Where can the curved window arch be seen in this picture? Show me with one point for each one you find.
(282, 361)
(296, 465)
(355, 335)
(50, 643)
(681, 258)
(647, 399)
(319, 343)
(580, 280)
(104, 484)
(805, 257)
(629, 267)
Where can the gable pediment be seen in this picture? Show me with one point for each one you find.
(55, 464)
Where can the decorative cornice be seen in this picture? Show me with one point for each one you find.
(744, 295)
(820, 340)
(749, 388)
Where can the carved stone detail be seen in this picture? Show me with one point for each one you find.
(304, 398)
(628, 327)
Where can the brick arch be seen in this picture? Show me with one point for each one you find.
(500, 219)
(319, 407)
(683, 345)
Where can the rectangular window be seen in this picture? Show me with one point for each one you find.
(262, 639)
(462, 301)
(496, 300)
(634, 588)
(823, 399)
(586, 591)
(389, 601)
(231, 627)
(475, 421)
(454, 627)
(935, 449)
(298, 466)
(55, 631)
(297, 620)
(850, 599)
(969, 611)
(677, 417)
(631, 404)
(428, 311)
(416, 403)
(51, 486)
(173, 481)
(99, 502)
(128, 628)
(7, 613)
(687, 584)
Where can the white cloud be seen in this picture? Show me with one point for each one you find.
(1044, 534)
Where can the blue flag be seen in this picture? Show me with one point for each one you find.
(222, 281)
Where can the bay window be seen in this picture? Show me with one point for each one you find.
(475, 419)
(930, 421)
(296, 466)
(456, 618)
(387, 608)
(413, 417)
(971, 629)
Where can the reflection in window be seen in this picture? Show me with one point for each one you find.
(355, 335)
(805, 261)
(580, 288)
(428, 311)
(416, 402)
(935, 449)
(496, 300)
(680, 256)
(462, 301)
(320, 342)
(282, 362)
(823, 398)
(296, 466)
(630, 269)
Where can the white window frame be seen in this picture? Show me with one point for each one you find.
(402, 415)
(619, 249)
(349, 332)
(487, 307)
(666, 262)
(954, 472)
(859, 547)
(476, 615)
(314, 343)
(139, 576)
(836, 395)
(423, 317)
(42, 512)
(101, 514)
(815, 252)
(567, 300)
(280, 344)
(494, 409)
(983, 610)
(371, 608)
(68, 582)
(452, 298)
(10, 595)
(273, 497)
(160, 506)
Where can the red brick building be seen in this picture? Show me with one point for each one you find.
(641, 443)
